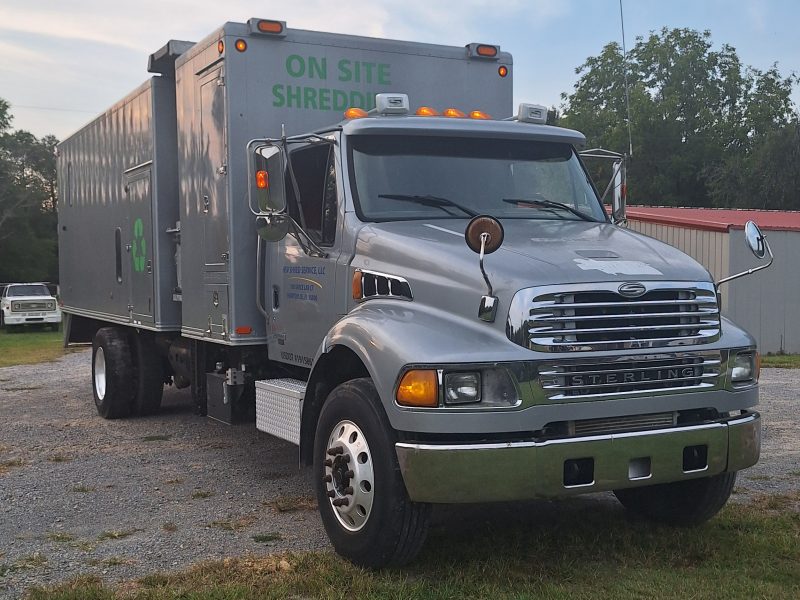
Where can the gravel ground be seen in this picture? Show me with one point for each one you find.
(123, 499)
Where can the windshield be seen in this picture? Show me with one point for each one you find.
(399, 178)
(28, 290)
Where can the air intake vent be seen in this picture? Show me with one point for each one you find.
(370, 284)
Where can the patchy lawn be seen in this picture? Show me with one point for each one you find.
(782, 361)
(27, 346)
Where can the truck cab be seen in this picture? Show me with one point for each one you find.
(463, 277)
(28, 304)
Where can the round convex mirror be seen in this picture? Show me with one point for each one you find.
(755, 239)
(273, 227)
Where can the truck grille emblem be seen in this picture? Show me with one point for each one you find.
(632, 290)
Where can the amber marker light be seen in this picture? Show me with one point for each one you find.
(355, 113)
(486, 50)
(241, 45)
(502, 70)
(419, 387)
(479, 114)
(426, 111)
(270, 26)
(220, 46)
(262, 180)
(244, 330)
(453, 113)
(358, 290)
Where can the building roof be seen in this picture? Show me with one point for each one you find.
(716, 219)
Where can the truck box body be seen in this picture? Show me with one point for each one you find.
(119, 195)
(220, 99)
(294, 83)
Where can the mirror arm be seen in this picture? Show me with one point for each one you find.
(260, 278)
(306, 243)
(295, 187)
(749, 271)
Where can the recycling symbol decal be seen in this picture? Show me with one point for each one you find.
(139, 246)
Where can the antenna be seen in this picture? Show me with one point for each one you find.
(625, 73)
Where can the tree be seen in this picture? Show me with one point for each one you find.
(28, 198)
(693, 110)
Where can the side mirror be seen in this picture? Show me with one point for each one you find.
(484, 235)
(755, 239)
(266, 177)
(273, 227)
(620, 192)
(758, 244)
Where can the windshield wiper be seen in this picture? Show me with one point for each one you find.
(551, 204)
(427, 200)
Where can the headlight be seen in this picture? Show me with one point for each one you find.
(462, 388)
(15, 306)
(744, 367)
(51, 305)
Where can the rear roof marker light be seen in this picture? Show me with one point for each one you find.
(487, 51)
(267, 26)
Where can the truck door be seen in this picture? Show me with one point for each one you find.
(140, 246)
(303, 286)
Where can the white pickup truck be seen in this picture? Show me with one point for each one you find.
(28, 303)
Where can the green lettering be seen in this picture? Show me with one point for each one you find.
(293, 96)
(277, 93)
(344, 70)
(317, 67)
(383, 74)
(368, 71)
(324, 99)
(357, 100)
(295, 65)
(339, 100)
(310, 98)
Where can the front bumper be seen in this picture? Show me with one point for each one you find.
(11, 318)
(459, 473)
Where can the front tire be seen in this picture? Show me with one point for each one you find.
(362, 499)
(112, 381)
(683, 503)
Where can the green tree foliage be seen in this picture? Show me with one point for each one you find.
(703, 125)
(28, 197)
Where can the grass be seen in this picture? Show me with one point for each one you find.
(116, 534)
(201, 494)
(573, 551)
(60, 457)
(155, 438)
(292, 503)
(113, 561)
(266, 538)
(30, 346)
(169, 527)
(7, 465)
(234, 524)
(782, 361)
(83, 489)
(60, 536)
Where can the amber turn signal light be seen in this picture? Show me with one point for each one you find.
(358, 290)
(262, 180)
(502, 70)
(241, 45)
(419, 388)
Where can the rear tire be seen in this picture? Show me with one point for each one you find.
(149, 376)
(380, 525)
(683, 503)
(112, 380)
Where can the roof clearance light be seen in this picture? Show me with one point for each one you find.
(453, 113)
(479, 114)
(486, 50)
(241, 45)
(426, 111)
(532, 113)
(220, 46)
(502, 70)
(265, 26)
(262, 180)
(244, 330)
(355, 113)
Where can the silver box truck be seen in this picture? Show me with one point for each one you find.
(430, 301)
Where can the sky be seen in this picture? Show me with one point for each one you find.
(62, 62)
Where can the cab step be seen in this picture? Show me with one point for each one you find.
(279, 406)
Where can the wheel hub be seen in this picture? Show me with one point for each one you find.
(349, 475)
(100, 373)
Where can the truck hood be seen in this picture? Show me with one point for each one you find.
(534, 253)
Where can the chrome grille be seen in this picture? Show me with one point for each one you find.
(597, 317)
(630, 375)
(28, 305)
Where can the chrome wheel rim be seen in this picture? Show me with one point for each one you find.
(349, 477)
(100, 373)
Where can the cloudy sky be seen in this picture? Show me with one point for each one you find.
(64, 61)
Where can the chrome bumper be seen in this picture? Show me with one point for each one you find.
(456, 473)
